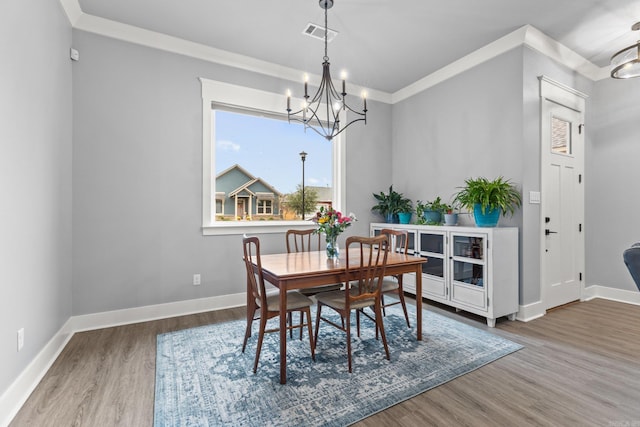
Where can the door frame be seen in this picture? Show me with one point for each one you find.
(557, 93)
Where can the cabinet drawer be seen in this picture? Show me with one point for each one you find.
(469, 295)
(433, 287)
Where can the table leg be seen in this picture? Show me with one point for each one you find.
(283, 334)
(419, 300)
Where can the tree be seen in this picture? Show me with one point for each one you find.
(294, 200)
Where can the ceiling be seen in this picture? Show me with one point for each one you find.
(384, 45)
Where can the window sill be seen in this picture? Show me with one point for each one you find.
(222, 228)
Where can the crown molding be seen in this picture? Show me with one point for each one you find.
(526, 35)
(72, 9)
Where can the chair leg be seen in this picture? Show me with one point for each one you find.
(315, 337)
(358, 322)
(263, 324)
(290, 319)
(348, 330)
(313, 347)
(382, 302)
(247, 332)
(302, 321)
(404, 305)
(380, 325)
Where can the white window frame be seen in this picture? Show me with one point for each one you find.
(266, 206)
(220, 93)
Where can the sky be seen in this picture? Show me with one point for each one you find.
(269, 149)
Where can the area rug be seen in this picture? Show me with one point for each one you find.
(203, 379)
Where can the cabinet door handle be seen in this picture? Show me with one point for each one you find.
(547, 232)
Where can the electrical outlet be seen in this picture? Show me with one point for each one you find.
(196, 280)
(20, 338)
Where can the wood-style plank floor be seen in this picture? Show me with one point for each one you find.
(580, 367)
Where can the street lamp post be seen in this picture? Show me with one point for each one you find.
(303, 156)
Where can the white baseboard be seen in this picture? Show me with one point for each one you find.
(529, 312)
(16, 395)
(620, 295)
(146, 313)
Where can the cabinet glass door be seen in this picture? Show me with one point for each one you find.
(469, 273)
(432, 248)
(468, 259)
(468, 247)
(433, 243)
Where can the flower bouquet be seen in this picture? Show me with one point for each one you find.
(331, 223)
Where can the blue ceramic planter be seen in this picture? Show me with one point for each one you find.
(392, 218)
(432, 217)
(488, 219)
(404, 217)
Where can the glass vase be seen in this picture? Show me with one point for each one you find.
(333, 252)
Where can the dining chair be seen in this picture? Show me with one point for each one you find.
(305, 241)
(398, 242)
(269, 304)
(365, 266)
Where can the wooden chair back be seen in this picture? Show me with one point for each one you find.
(255, 279)
(398, 240)
(302, 241)
(366, 273)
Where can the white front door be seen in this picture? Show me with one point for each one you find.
(562, 203)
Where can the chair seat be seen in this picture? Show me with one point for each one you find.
(295, 301)
(336, 299)
(319, 289)
(389, 284)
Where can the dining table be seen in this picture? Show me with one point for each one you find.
(299, 270)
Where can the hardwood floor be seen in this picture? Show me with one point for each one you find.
(580, 367)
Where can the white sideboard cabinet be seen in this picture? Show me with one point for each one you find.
(470, 268)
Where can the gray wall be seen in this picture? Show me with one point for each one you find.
(138, 177)
(35, 180)
(612, 181)
(485, 121)
(467, 126)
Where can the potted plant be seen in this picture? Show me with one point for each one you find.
(488, 199)
(405, 210)
(389, 204)
(450, 214)
(431, 212)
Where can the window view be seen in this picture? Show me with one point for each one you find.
(259, 168)
(560, 136)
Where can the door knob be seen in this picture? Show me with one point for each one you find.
(547, 232)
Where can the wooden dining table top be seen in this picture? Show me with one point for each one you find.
(307, 269)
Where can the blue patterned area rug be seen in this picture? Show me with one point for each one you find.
(203, 379)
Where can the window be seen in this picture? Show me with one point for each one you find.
(265, 207)
(248, 173)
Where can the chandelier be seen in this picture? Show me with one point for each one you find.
(626, 63)
(322, 112)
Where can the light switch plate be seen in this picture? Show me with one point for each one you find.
(534, 197)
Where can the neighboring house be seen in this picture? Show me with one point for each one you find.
(240, 195)
(324, 197)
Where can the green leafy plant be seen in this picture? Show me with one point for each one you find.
(497, 194)
(391, 203)
(405, 205)
(436, 206)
